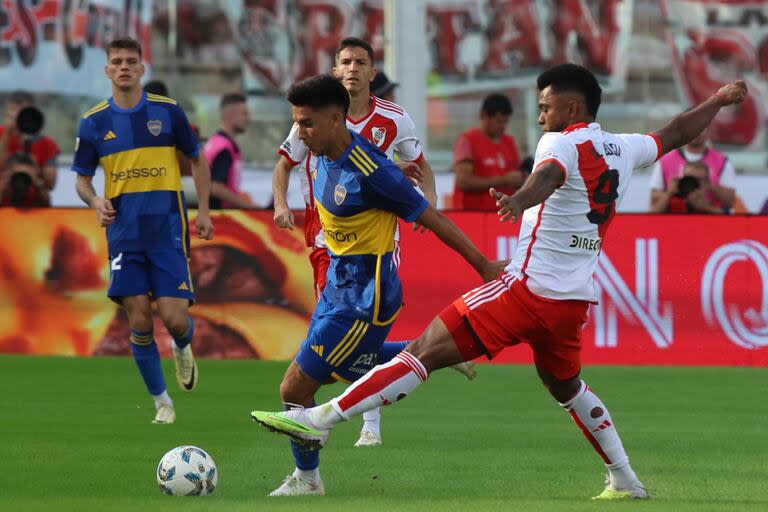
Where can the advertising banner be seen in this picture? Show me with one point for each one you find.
(57, 46)
(673, 290)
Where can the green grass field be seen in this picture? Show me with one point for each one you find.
(76, 435)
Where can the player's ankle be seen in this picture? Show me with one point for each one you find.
(310, 475)
(622, 478)
(325, 416)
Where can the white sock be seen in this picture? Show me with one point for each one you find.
(162, 399)
(383, 385)
(372, 421)
(310, 475)
(594, 420)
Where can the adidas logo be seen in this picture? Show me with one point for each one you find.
(318, 349)
(110, 135)
(604, 425)
(183, 286)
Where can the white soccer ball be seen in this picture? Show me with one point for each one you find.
(187, 471)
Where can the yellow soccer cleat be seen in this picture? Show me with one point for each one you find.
(637, 492)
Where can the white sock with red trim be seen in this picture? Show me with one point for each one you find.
(383, 385)
(594, 420)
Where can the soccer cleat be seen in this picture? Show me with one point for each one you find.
(467, 369)
(295, 486)
(637, 492)
(165, 414)
(186, 368)
(294, 424)
(368, 438)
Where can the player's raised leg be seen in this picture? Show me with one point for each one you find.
(174, 312)
(592, 417)
(145, 353)
(370, 434)
(383, 385)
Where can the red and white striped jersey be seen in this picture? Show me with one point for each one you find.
(560, 239)
(386, 124)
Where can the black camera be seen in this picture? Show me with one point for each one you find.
(30, 121)
(687, 184)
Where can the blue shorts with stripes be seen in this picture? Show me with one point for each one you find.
(340, 345)
(158, 273)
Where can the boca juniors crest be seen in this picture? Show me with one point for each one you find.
(155, 127)
(339, 194)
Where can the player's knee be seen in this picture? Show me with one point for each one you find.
(140, 320)
(175, 322)
(563, 390)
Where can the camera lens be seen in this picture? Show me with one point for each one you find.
(30, 120)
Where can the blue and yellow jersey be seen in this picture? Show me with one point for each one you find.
(137, 150)
(359, 197)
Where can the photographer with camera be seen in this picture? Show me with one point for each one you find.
(22, 183)
(22, 133)
(718, 188)
(688, 194)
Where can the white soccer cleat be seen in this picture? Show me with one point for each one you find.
(165, 414)
(186, 368)
(295, 486)
(467, 369)
(368, 438)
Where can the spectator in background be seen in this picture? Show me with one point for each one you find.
(26, 136)
(687, 194)
(22, 183)
(224, 157)
(718, 189)
(486, 157)
(157, 87)
(382, 87)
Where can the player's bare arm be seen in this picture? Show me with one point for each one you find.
(428, 183)
(202, 176)
(467, 181)
(454, 238)
(105, 213)
(542, 184)
(280, 177)
(685, 127)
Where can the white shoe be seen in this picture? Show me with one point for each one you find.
(467, 369)
(165, 414)
(368, 438)
(295, 486)
(186, 368)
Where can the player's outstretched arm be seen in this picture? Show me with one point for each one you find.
(542, 183)
(427, 184)
(685, 127)
(454, 238)
(280, 178)
(202, 176)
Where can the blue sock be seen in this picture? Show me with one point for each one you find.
(305, 458)
(147, 359)
(390, 349)
(184, 339)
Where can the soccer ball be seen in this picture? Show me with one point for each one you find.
(187, 471)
